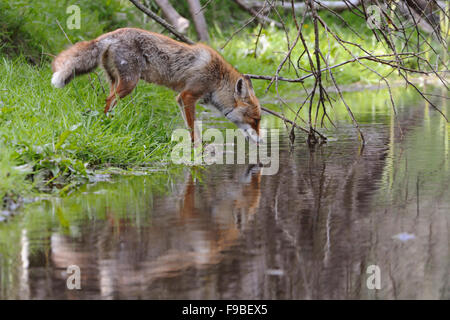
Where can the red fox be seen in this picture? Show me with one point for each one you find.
(197, 72)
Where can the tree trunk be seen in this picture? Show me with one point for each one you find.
(180, 23)
(199, 20)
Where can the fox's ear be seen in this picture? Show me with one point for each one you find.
(241, 88)
(249, 82)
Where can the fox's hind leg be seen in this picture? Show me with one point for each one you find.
(123, 88)
(112, 84)
(108, 66)
(122, 72)
(112, 90)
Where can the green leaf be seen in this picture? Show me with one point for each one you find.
(65, 135)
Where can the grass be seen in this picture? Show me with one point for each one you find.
(12, 176)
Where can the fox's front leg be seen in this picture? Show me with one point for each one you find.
(186, 101)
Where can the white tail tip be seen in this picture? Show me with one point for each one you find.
(58, 80)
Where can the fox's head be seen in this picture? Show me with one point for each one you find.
(246, 113)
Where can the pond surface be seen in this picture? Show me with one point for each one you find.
(311, 231)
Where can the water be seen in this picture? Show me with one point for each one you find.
(228, 232)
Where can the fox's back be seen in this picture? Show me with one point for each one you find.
(165, 61)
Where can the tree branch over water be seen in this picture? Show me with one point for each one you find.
(409, 31)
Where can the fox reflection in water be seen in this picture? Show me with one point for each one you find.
(198, 231)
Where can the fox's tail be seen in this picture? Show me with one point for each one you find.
(82, 57)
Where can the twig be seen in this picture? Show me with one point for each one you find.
(276, 114)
